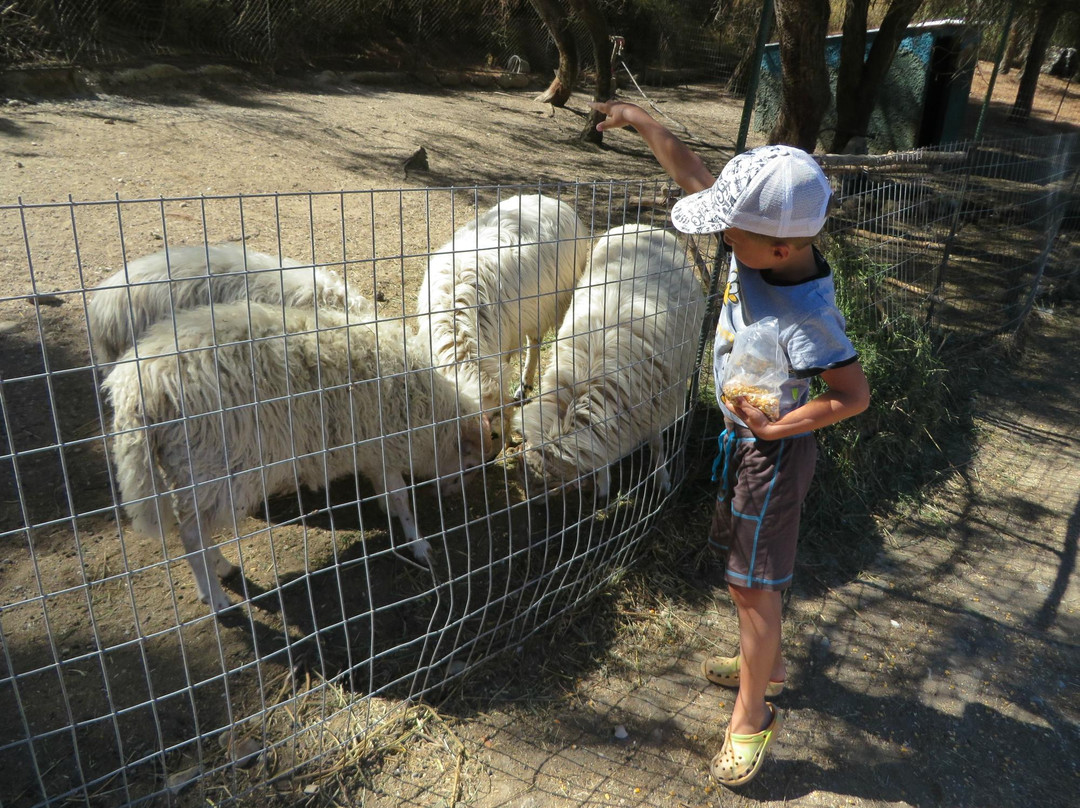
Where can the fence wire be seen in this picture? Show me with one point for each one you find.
(968, 238)
(666, 40)
(285, 430)
(121, 686)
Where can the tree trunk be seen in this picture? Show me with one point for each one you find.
(861, 74)
(805, 95)
(849, 73)
(1045, 24)
(1016, 43)
(558, 24)
(594, 20)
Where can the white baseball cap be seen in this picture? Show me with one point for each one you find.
(777, 191)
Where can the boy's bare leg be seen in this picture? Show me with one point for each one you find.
(761, 660)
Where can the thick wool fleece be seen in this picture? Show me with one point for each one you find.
(500, 284)
(221, 408)
(155, 286)
(621, 361)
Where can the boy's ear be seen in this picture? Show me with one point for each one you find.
(781, 251)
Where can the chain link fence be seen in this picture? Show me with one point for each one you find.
(657, 43)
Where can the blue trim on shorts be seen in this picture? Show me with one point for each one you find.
(727, 442)
(762, 581)
(760, 519)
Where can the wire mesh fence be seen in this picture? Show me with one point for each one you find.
(86, 46)
(968, 238)
(308, 434)
(317, 431)
(120, 685)
(667, 38)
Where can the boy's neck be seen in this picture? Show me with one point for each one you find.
(800, 265)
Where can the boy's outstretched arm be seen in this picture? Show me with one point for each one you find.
(674, 156)
(848, 395)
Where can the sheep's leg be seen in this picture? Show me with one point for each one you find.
(400, 506)
(603, 482)
(660, 464)
(207, 563)
(223, 568)
(532, 363)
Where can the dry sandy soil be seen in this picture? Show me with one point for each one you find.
(943, 674)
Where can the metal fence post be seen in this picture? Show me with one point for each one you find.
(755, 75)
(1057, 205)
(997, 64)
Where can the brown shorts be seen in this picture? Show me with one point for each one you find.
(758, 505)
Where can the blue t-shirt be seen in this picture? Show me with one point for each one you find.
(812, 329)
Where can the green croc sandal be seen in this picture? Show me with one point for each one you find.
(724, 671)
(741, 756)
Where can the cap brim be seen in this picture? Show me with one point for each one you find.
(697, 213)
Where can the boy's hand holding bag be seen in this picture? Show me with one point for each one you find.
(756, 368)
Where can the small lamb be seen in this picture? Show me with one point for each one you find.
(621, 362)
(495, 289)
(155, 286)
(220, 408)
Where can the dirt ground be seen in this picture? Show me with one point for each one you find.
(943, 674)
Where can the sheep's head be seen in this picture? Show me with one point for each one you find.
(476, 447)
(564, 438)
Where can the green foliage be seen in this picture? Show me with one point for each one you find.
(916, 426)
(889, 452)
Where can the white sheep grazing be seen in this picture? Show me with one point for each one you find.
(620, 363)
(151, 288)
(495, 289)
(225, 406)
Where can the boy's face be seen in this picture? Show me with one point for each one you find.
(753, 250)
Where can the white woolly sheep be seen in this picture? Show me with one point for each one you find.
(621, 361)
(223, 407)
(495, 289)
(151, 288)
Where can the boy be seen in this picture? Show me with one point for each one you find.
(769, 204)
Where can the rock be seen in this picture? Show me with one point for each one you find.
(178, 781)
